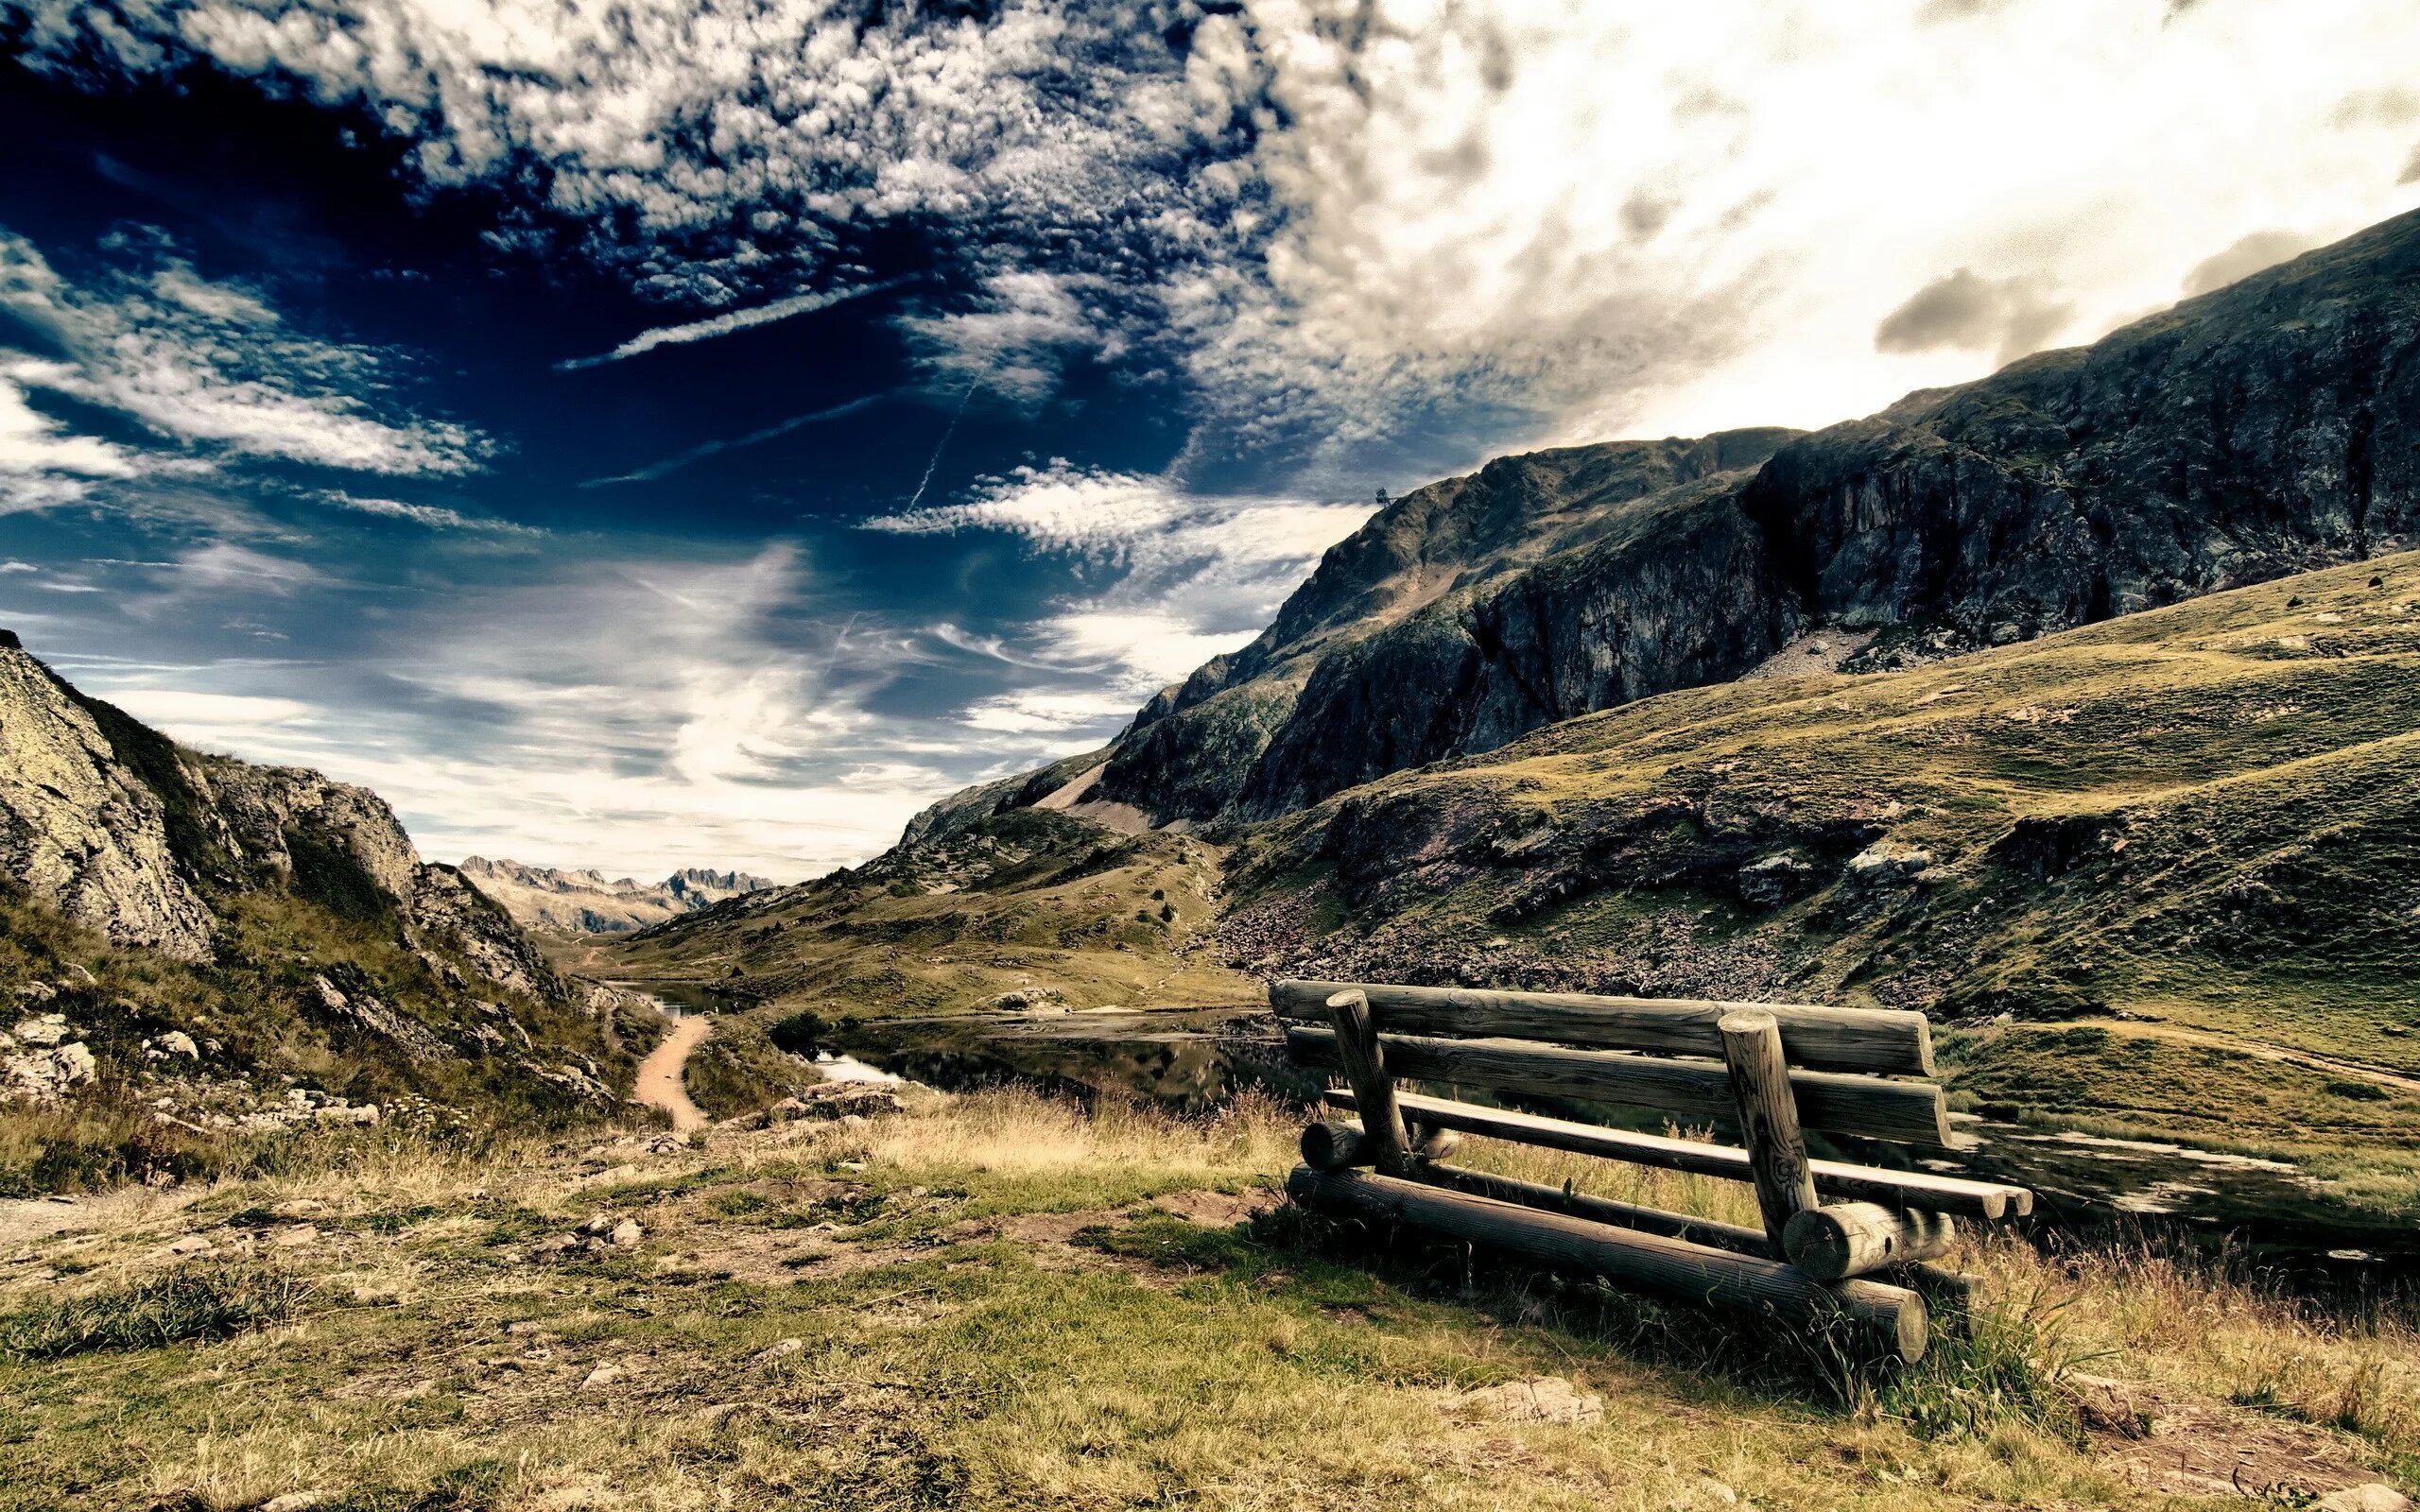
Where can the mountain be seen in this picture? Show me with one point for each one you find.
(2266, 429)
(197, 949)
(583, 903)
(2074, 706)
(1029, 909)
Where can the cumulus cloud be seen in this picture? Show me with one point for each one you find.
(2259, 250)
(207, 367)
(2008, 316)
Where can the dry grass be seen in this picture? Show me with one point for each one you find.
(925, 1349)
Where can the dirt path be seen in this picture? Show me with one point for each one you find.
(660, 1073)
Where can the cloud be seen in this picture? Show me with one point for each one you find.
(41, 463)
(1192, 575)
(1363, 234)
(2008, 316)
(209, 368)
(435, 517)
(2259, 250)
(721, 325)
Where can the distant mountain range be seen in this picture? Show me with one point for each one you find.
(583, 902)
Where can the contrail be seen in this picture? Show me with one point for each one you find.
(705, 449)
(951, 430)
(722, 325)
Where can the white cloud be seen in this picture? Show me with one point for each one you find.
(1192, 576)
(41, 463)
(721, 325)
(436, 517)
(207, 367)
(1413, 225)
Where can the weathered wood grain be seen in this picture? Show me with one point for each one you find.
(1986, 1200)
(1777, 1164)
(1695, 1230)
(1858, 1238)
(1880, 1040)
(1363, 1059)
(1892, 1317)
(1907, 1112)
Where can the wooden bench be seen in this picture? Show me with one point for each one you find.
(1771, 1069)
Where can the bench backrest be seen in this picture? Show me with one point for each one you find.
(1853, 1071)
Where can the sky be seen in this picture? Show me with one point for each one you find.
(657, 435)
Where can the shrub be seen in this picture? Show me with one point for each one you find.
(800, 1034)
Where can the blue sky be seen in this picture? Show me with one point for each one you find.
(644, 437)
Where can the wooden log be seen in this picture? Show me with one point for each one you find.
(1910, 1112)
(1777, 1162)
(1885, 1041)
(1892, 1317)
(1987, 1200)
(1858, 1238)
(1687, 1225)
(1364, 1062)
(1331, 1144)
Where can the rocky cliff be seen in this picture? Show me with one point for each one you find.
(2270, 427)
(584, 902)
(193, 941)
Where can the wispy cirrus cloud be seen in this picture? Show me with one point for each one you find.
(203, 373)
(1192, 575)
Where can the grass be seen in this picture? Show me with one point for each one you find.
(249, 1011)
(1032, 908)
(977, 1304)
(189, 1302)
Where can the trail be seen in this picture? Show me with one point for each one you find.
(660, 1084)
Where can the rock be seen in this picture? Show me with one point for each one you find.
(190, 1245)
(82, 976)
(1539, 1399)
(604, 1375)
(627, 1233)
(2375, 1497)
(1769, 881)
(778, 1349)
(33, 994)
(294, 1501)
(49, 1029)
(177, 1042)
(2104, 1402)
(295, 1237)
(1885, 862)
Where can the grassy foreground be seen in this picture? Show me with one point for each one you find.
(998, 1300)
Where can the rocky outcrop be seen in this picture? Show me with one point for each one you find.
(79, 827)
(584, 902)
(2267, 428)
(131, 834)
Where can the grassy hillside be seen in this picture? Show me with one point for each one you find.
(259, 1032)
(1032, 908)
(2162, 869)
